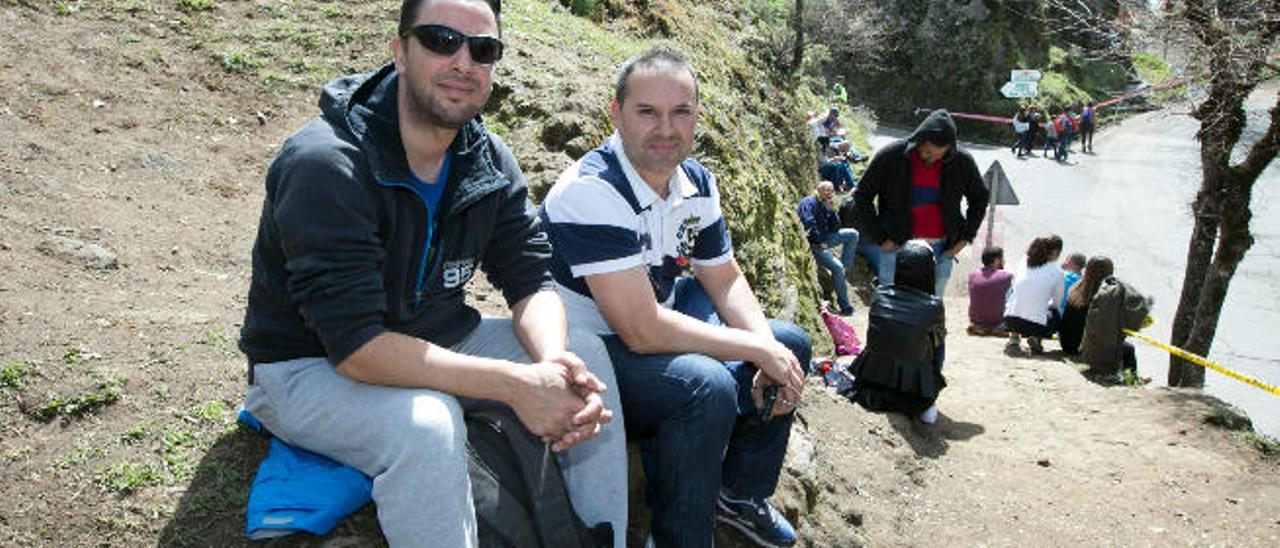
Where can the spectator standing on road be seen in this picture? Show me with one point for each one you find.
(913, 189)
(1021, 132)
(1065, 125)
(1032, 307)
(822, 227)
(1035, 120)
(1050, 135)
(988, 288)
(1087, 127)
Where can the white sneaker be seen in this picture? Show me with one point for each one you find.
(930, 415)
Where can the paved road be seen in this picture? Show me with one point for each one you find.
(1131, 202)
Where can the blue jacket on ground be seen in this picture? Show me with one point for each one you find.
(297, 490)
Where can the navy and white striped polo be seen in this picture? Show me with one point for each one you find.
(602, 217)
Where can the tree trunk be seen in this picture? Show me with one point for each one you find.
(1233, 242)
(1199, 258)
(797, 47)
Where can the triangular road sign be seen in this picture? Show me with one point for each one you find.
(998, 183)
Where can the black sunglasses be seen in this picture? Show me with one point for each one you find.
(445, 41)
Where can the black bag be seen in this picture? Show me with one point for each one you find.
(519, 494)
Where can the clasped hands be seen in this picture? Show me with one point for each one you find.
(561, 402)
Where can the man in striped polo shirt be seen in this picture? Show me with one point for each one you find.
(641, 256)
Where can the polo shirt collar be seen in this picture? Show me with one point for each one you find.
(645, 195)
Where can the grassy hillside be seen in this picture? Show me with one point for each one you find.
(140, 131)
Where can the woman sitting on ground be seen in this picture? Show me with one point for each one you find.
(1104, 307)
(1079, 296)
(1032, 307)
(900, 370)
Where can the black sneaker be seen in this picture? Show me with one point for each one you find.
(757, 519)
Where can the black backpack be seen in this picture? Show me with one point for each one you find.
(519, 494)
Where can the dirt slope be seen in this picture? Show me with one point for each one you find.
(130, 183)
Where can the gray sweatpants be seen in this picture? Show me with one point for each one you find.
(412, 442)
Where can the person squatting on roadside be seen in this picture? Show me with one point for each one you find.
(912, 189)
(708, 384)
(1101, 307)
(900, 369)
(988, 287)
(360, 343)
(1032, 307)
(822, 227)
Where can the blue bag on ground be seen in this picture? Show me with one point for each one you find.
(297, 490)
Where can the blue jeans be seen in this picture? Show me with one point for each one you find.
(684, 409)
(847, 239)
(887, 263)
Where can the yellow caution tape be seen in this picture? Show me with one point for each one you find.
(1200, 361)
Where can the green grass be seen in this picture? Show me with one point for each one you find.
(177, 446)
(13, 374)
(1268, 445)
(1152, 69)
(135, 433)
(197, 5)
(77, 356)
(126, 477)
(67, 406)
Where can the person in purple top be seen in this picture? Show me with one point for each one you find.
(987, 289)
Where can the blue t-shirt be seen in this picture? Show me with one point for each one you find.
(431, 191)
(1068, 279)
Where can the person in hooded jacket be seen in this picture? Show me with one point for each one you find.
(361, 346)
(900, 369)
(912, 189)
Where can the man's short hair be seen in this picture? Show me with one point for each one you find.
(409, 14)
(654, 58)
(1076, 260)
(991, 254)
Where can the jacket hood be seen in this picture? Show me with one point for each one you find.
(365, 106)
(937, 128)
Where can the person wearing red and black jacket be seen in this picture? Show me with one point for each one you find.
(912, 190)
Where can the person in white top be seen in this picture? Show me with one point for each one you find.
(1031, 310)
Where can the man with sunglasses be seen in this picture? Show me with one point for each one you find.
(708, 383)
(361, 345)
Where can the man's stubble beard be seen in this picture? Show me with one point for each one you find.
(427, 109)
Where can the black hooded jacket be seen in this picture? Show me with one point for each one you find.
(344, 251)
(883, 196)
